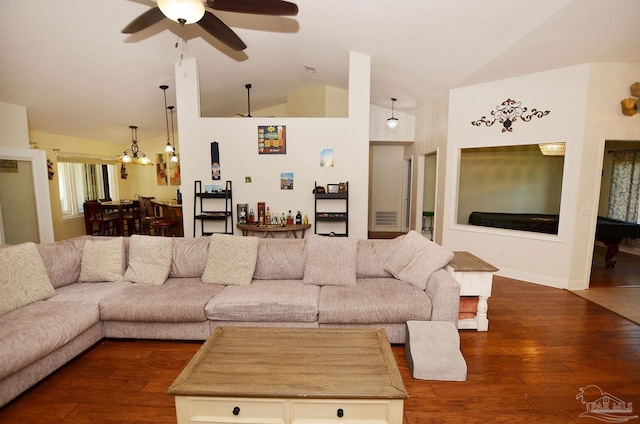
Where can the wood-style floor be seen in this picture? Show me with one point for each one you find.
(543, 344)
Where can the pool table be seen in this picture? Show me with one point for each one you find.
(611, 232)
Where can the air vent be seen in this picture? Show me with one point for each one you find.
(386, 218)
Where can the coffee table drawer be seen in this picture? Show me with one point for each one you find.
(230, 410)
(342, 411)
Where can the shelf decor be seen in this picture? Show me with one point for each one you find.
(507, 113)
(272, 139)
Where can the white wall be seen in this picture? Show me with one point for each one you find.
(14, 130)
(386, 185)
(584, 104)
(239, 158)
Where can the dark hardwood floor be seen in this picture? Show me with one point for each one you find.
(543, 344)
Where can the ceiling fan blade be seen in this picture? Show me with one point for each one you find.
(258, 7)
(214, 26)
(143, 21)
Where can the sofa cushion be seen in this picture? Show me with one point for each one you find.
(177, 300)
(33, 331)
(415, 258)
(280, 259)
(102, 260)
(89, 292)
(62, 260)
(373, 300)
(231, 260)
(189, 256)
(149, 259)
(372, 254)
(330, 261)
(23, 277)
(264, 301)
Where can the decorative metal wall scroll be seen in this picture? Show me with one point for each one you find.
(507, 113)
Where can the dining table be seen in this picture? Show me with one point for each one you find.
(121, 207)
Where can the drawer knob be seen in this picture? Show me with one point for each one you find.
(340, 413)
(236, 411)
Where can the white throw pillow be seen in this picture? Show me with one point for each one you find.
(23, 277)
(102, 260)
(414, 258)
(231, 260)
(149, 259)
(330, 261)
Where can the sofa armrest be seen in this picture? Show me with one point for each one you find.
(444, 292)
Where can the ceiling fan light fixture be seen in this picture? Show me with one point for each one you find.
(189, 11)
(392, 122)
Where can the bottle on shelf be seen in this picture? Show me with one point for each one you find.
(289, 218)
(251, 216)
(267, 217)
(283, 220)
(305, 221)
(298, 218)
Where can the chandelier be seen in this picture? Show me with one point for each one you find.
(553, 149)
(134, 154)
(392, 122)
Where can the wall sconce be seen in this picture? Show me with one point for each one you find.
(392, 122)
(631, 105)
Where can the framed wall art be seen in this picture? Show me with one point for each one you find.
(272, 139)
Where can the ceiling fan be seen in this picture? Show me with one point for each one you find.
(198, 11)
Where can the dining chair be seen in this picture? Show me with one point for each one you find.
(165, 225)
(97, 222)
(133, 219)
(147, 214)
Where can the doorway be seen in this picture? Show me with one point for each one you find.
(25, 203)
(18, 216)
(627, 266)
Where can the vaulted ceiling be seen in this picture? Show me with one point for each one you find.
(78, 75)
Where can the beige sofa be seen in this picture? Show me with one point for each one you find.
(186, 287)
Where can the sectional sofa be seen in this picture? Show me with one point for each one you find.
(58, 299)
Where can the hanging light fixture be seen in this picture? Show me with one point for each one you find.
(169, 147)
(553, 149)
(182, 11)
(392, 122)
(174, 158)
(134, 154)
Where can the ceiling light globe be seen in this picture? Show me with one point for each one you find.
(189, 10)
(168, 148)
(126, 158)
(174, 158)
(392, 123)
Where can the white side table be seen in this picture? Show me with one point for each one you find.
(475, 277)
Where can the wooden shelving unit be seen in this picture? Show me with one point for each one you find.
(327, 215)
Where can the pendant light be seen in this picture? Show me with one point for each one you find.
(169, 147)
(134, 154)
(392, 122)
(174, 158)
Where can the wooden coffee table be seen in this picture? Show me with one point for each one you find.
(289, 375)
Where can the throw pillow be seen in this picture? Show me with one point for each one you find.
(102, 260)
(149, 260)
(330, 261)
(23, 277)
(231, 260)
(415, 258)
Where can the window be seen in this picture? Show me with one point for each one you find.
(82, 181)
